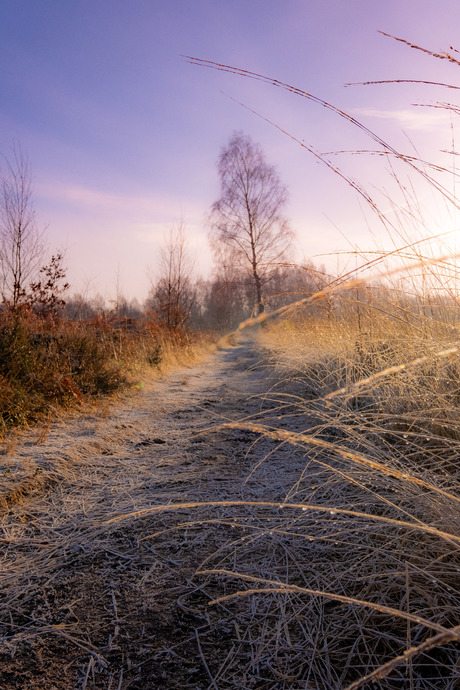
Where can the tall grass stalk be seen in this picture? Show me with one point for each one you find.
(359, 563)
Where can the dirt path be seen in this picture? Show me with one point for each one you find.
(86, 604)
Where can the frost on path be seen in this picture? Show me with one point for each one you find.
(91, 602)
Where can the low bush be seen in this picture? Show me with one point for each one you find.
(47, 364)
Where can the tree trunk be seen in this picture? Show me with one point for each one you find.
(258, 284)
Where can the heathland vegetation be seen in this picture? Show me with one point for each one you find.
(351, 578)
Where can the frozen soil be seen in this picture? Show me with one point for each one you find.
(98, 591)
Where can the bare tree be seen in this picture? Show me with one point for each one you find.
(171, 298)
(247, 222)
(21, 242)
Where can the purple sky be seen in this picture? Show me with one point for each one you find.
(123, 134)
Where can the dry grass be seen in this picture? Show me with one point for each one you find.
(334, 565)
(372, 399)
(339, 567)
(382, 457)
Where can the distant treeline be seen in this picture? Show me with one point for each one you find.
(218, 304)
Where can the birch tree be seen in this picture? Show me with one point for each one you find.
(247, 221)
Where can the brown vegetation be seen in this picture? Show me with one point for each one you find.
(47, 364)
(333, 565)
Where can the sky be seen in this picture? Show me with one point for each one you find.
(122, 133)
